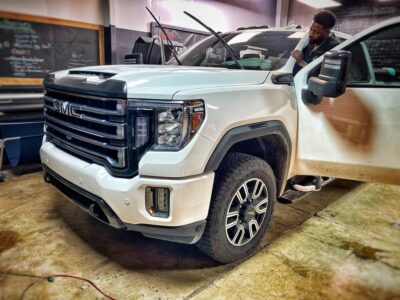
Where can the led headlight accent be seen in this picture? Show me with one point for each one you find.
(166, 116)
(142, 131)
(176, 125)
(164, 125)
(170, 128)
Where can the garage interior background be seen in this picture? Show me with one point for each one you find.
(106, 30)
(125, 20)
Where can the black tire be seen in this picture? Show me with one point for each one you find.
(237, 171)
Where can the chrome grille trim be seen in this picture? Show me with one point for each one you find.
(84, 152)
(81, 138)
(90, 97)
(121, 136)
(119, 104)
(92, 127)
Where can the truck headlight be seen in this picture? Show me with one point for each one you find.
(176, 124)
(162, 125)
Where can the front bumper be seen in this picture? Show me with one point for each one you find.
(120, 202)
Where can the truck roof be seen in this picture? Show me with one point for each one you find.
(290, 28)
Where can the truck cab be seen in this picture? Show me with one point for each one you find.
(197, 151)
(357, 132)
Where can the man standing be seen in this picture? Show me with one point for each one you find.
(320, 40)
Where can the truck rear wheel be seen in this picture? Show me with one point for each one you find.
(241, 208)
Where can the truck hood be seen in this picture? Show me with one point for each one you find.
(163, 81)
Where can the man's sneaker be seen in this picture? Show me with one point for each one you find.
(309, 184)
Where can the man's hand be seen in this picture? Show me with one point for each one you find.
(298, 56)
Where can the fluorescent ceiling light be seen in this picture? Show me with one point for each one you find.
(242, 37)
(297, 35)
(320, 3)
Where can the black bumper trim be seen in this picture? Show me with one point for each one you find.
(187, 234)
(99, 209)
(83, 199)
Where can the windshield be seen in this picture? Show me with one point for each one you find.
(255, 50)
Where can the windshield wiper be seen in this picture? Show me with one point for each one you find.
(171, 46)
(227, 47)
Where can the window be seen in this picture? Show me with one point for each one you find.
(254, 50)
(376, 59)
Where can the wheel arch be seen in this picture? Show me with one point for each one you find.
(268, 140)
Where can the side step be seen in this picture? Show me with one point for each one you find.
(291, 196)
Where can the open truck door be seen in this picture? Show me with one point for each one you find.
(349, 108)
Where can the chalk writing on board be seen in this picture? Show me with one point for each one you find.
(31, 49)
(21, 58)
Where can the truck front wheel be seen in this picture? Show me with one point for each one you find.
(241, 208)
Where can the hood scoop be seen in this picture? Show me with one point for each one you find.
(100, 75)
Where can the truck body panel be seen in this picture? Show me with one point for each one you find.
(214, 146)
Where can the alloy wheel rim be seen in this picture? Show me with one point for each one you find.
(246, 212)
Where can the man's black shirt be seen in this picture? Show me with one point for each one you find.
(309, 55)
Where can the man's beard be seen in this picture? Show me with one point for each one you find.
(316, 42)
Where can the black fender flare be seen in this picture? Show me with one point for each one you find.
(247, 132)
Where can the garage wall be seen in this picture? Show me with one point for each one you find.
(352, 16)
(129, 19)
(131, 14)
(126, 20)
(299, 13)
(220, 15)
(89, 11)
(357, 15)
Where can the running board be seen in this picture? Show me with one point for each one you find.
(291, 196)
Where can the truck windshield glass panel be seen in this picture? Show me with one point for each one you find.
(255, 50)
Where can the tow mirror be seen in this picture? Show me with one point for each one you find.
(332, 80)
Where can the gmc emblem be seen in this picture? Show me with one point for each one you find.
(62, 107)
(65, 108)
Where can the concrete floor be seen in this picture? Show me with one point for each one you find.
(340, 243)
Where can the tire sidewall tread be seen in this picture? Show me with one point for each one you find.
(235, 169)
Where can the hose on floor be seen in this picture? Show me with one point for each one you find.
(50, 278)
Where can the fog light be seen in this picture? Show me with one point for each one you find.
(157, 201)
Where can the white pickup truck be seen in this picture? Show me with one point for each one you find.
(199, 152)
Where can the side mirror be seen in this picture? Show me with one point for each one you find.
(134, 58)
(332, 80)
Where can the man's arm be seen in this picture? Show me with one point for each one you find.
(298, 56)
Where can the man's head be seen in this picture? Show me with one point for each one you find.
(321, 27)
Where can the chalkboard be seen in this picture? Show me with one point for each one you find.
(31, 48)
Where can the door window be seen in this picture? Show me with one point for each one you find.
(376, 59)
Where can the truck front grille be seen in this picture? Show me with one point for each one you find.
(94, 128)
